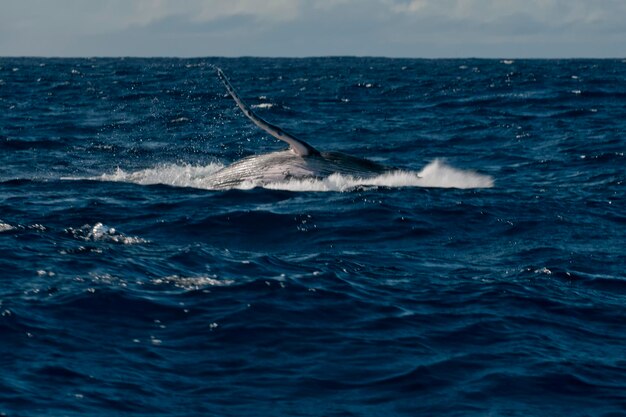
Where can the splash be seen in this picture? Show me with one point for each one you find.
(169, 174)
(436, 174)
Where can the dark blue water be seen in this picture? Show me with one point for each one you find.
(127, 288)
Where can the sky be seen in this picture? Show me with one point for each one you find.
(296, 28)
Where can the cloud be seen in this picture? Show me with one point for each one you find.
(550, 12)
(148, 11)
(428, 28)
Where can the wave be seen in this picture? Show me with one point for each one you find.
(437, 174)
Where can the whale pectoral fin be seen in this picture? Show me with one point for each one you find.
(298, 146)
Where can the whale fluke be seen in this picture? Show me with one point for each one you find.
(299, 147)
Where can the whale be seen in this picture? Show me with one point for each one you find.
(299, 161)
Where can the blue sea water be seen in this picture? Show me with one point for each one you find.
(487, 278)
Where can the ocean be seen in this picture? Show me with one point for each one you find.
(484, 277)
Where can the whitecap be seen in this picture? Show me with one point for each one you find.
(102, 233)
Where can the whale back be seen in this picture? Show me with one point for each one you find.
(300, 161)
(285, 165)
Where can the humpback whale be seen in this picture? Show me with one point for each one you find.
(299, 161)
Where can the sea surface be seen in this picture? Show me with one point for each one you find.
(485, 277)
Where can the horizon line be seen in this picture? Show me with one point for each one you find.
(505, 58)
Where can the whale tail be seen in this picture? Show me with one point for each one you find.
(299, 147)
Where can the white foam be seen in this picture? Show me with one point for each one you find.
(103, 233)
(437, 174)
(192, 283)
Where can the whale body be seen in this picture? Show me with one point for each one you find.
(300, 161)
